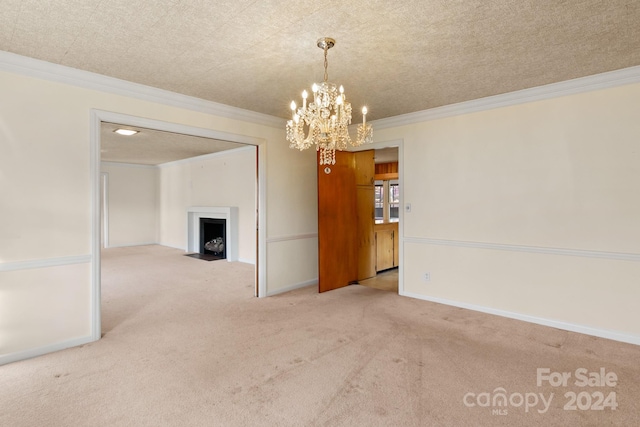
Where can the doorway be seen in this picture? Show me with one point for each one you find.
(387, 192)
(98, 118)
(350, 254)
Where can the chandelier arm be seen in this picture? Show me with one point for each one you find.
(325, 121)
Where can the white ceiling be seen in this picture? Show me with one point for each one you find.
(154, 147)
(396, 57)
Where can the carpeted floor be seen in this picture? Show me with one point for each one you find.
(186, 344)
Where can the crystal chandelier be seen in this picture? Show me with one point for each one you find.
(324, 122)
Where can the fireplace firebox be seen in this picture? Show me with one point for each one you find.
(195, 242)
(213, 239)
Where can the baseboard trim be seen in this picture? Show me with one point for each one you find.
(244, 260)
(293, 287)
(40, 351)
(44, 263)
(571, 327)
(131, 245)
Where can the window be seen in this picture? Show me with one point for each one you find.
(379, 200)
(394, 200)
(387, 200)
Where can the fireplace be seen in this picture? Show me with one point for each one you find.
(213, 239)
(229, 216)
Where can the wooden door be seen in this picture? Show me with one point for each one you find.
(337, 225)
(346, 242)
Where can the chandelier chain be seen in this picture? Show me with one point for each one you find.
(326, 63)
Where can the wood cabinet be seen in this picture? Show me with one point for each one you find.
(365, 214)
(387, 245)
(386, 171)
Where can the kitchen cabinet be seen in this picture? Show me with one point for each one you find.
(387, 245)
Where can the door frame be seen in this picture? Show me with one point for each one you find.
(96, 119)
(104, 211)
(395, 143)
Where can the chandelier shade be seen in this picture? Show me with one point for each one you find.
(324, 121)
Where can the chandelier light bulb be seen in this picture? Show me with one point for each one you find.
(324, 122)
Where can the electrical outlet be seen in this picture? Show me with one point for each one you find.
(427, 277)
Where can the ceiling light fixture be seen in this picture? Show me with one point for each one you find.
(126, 132)
(325, 121)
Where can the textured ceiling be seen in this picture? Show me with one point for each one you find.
(395, 57)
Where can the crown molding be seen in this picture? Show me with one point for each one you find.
(200, 158)
(36, 68)
(31, 67)
(204, 157)
(127, 165)
(569, 87)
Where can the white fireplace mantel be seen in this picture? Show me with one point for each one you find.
(230, 214)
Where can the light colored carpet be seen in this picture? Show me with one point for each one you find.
(186, 344)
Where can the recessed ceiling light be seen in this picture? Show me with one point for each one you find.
(126, 132)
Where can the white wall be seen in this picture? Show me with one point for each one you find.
(46, 182)
(530, 211)
(224, 179)
(148, 204)
(132, 203)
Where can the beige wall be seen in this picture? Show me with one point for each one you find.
(46, 306)
(44, 170)
(292, 253)
(529, 209)
(46, 212)
(132, 204)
